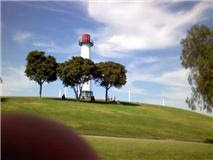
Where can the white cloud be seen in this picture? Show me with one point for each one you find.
(134, 89)
(63, 7)
(140, 25)
(176, 93)
(142, 60)
(50, 46)
(176, 96)
(22, 36)
(171, 78)
(148, 60)
(14, 79)
(43, 44)
(176, 87)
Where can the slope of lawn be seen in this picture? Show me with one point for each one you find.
(140, 149)
(117, 120)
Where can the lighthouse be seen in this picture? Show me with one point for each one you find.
(86, 43)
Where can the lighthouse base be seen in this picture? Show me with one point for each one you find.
(86, 94)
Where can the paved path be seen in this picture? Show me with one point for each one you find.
(154, 140)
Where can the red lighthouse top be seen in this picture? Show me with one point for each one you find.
(85, 39)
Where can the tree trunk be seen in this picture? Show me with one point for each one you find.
(106, 94)
(76, 93)
(80, 92)
(40, 91)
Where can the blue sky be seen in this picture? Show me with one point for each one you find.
(143, 36)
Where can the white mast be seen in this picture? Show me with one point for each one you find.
(65, 91)
(59, 93)
(129, 95)
(163, 103)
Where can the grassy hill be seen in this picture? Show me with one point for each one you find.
(144, 149)
(119, 120)
(129, 121)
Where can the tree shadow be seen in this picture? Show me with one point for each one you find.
(129, 104)
(3, 99)
(209, 141)
(112, 102)
(96, 101)
(60, 99)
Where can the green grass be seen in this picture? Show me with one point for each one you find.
(119, 120)
(139, 149)
(127, 120)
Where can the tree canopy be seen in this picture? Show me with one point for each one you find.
(75, 72)
(41, 68)
(197, 56)
(110, 74)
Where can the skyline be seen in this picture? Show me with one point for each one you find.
(143, 36)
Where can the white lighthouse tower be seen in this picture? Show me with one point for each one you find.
(86, 43)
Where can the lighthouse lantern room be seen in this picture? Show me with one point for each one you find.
(86, 43)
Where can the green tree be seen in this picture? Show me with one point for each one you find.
(197, 56)
(41, 68)
(110, 74)
(75, 72)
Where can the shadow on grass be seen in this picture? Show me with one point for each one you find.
(96, 101)
(209, 141)
(129, 104)
(59, 99)
(3, 99)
